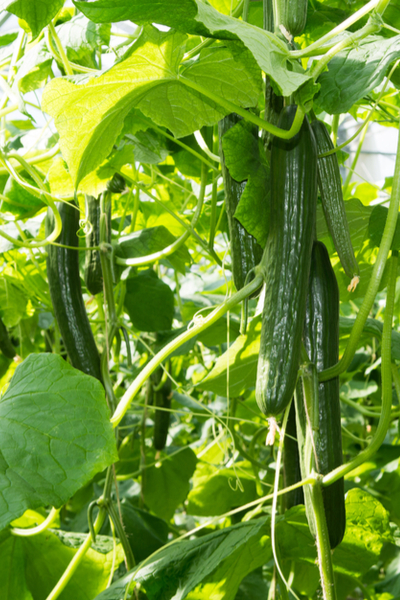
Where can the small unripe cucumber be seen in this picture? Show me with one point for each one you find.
(292, 14)
(291, 463)
(246, 253)
(330, 187)
(286, 264)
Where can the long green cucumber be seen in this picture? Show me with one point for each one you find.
(66, 293)
(321, 340)
(286, 264)
(246, 253)
(93, 272)
(162, 398)
(291, 463)
(292, 14)
(6, 346)
(330, 187)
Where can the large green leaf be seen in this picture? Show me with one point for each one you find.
(90, 117)
(55, 435)
(36, 14)
(246, 160)
(216, 491)
(355, 72)
(198, 18)
(149, 302)
(31, 566)
(81, 37)
(166, 484)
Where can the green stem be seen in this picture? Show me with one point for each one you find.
(375, 280)
(320, 65)
(322, 540)
(130, 559)
(386, 375)
(53, 514)
(75, 562)
(335, 127)
(216, 314)
(168, 250)
(213, 215)
(65, 62)
(355, 160)
(245, 14)
(247, 115)
(359, 14)
(185, 147)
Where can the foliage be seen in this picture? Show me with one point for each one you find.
(89, 508)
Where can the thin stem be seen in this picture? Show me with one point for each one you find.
(359, 14)
(322, 540)
(320, 65)
(386, 375)
(335, 127)
(75, 562)
(168, 250)
(65, 62)
(201, 142)
(198, 327)
(247, 115)
(355, 160)
(53, 514)
(187, 148)
(375, 280)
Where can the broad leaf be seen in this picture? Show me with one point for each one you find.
(19, 201)
(146, 533)
(166, 484)
(216, 491)
(198, 18)
(355, 72)
(149, 81)
(31, 566)
(377, 222)
(149, 302)
(245, 160)
(36, 14)
(222, 558)
(34, 68)
(80, 37)
(55, 435)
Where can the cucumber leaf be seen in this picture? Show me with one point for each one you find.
(47, 450)
(149, 302)
(36, 14)
(198, 18)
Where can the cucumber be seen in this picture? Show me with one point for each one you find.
(291, 463)
(286, 264)
(162, 398)
(6, 346)
(292, 14)
(93, 272)
(246, 253)
(66, 293)
(330, 187)
(321, 339)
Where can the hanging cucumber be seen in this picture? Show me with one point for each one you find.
(162, 398)
(330, 187)
(321, 340)
(286, 263)
(291, 463)
(292, 14)
(246, 253)
(93, 272)
(66, 293)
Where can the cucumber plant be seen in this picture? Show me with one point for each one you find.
(200, 200)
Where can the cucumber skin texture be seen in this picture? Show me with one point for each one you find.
(286, 264)
(321, 339)
(93, 272)
(292, 14)
(163, 399)
(291, 463)
(246, 253)
(66, 293)
(330, 187)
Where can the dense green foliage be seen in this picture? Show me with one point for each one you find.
(133, 456)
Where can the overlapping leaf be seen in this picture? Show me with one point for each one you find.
(198, 18)
(90, 117)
